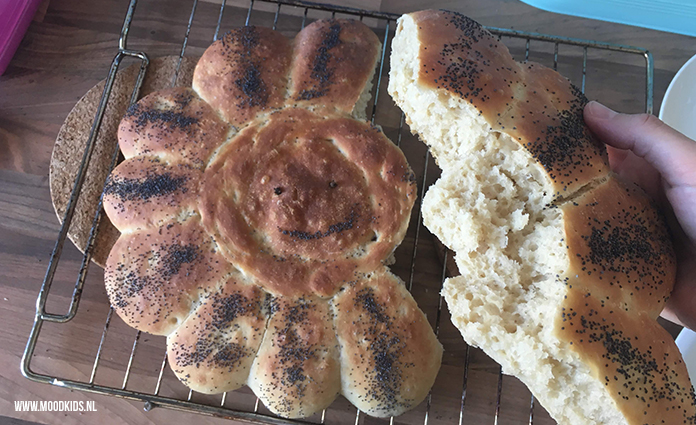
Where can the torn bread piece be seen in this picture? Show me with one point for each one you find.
(564, 268)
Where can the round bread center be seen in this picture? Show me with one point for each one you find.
(308, 199)
(293, 192)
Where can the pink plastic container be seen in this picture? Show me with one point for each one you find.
(15, 17)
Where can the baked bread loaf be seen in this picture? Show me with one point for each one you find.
(257, 214)
(564, 268)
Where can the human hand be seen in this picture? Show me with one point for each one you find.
(662, 162)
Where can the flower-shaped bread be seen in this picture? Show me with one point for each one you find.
(256, 215)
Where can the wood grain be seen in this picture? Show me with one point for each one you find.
(68, 50)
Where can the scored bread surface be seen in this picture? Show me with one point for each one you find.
(256, 213)
(564, 268)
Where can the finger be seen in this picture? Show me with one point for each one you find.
(682, 303)
(616, 157)
(637, 170)
(669, 151)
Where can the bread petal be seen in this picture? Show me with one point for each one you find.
(244, 74)
(296, 372)
(146, 192)
(154, 276)
(389, 353)
(213, 349)
(334, 63)
(172, 123)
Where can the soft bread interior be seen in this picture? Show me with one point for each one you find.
(360, 108)
(492, 206)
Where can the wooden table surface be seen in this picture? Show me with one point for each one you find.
(68, 49)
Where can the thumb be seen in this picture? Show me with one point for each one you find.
(666, 149)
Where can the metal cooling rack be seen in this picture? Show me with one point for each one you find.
(386, 23)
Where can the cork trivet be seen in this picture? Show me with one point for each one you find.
(72, 139)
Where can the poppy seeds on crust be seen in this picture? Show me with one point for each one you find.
(248, 70)
(217, 352)
(385, 346)
(565, 143)
(408, 176)
(176, 256)
(161, 118)
(153, 287)
(629, 249)
(182, 100)
(229, 308)
(212, 348)
(365, 299)
(229, 355)
(569, 144)
(609, 243)
(461, 76)
(292, 350)
(172, 268)
(132, 285)
(253, 87)
(249, 38)
(321, 73)
(638, 372)
(153, 186)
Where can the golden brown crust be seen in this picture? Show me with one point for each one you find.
(146, 192)
(321, 75)
(304, 201)
(389, 354)
(620, 249)
(536, 106)
(173, 123)
(213, 349)
(154, 276)
(299, 198)
(244, 73)
(621, 273)
(296, 372)
(633, 356)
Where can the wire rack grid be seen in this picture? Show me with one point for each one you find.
(408, 258)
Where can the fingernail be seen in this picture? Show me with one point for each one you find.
(600, 111)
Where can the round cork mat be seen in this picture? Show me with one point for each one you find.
(72, 139)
